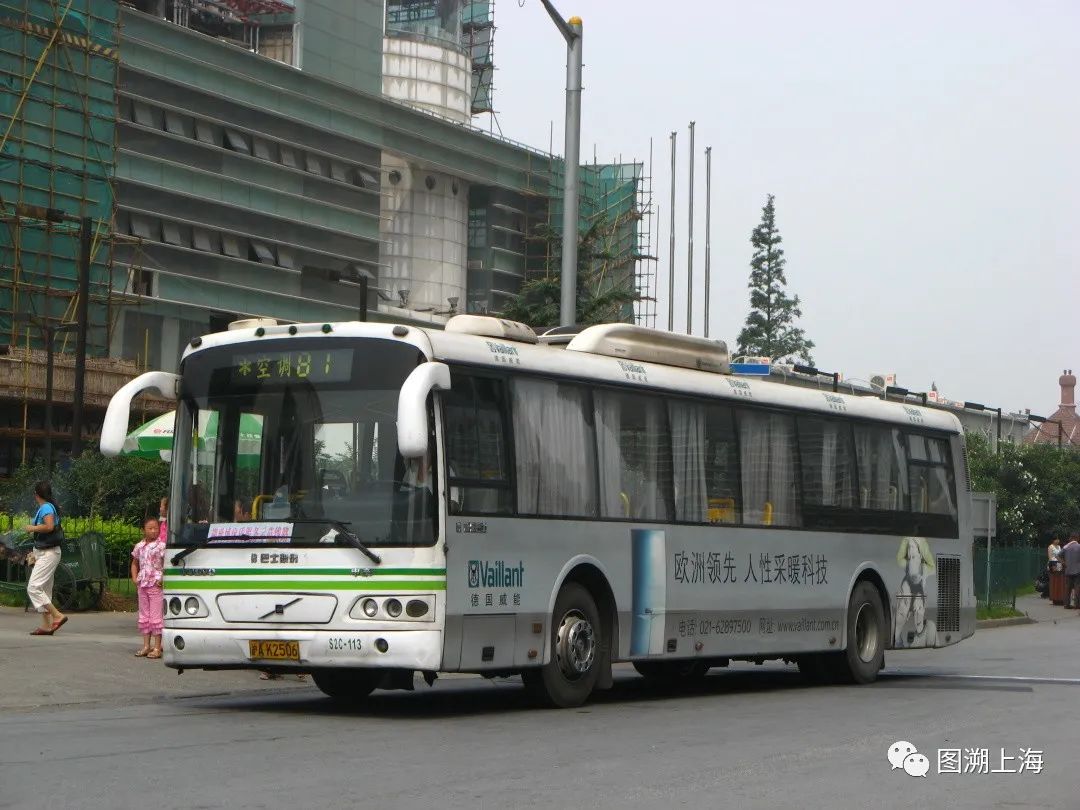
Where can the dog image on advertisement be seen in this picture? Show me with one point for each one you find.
(911, 628)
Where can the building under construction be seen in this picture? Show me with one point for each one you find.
(314, 160)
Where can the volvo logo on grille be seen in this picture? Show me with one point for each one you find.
(279, 610)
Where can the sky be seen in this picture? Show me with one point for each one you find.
(925, 159)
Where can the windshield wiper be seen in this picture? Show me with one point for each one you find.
(342, 529)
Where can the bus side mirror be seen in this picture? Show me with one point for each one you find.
(412, 420)
(114, 430)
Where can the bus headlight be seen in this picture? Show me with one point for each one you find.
(191, 605)
(174, 606)
(418, 607)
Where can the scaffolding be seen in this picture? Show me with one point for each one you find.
(58, 72)
(58, 76)
(616, 206)
(478, 38)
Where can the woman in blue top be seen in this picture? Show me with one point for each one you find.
(46, 558)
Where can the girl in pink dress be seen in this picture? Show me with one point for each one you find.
(147, 572)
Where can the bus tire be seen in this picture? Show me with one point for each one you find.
(864, 656)
(346, 685)
(577, 640)
(672, 673)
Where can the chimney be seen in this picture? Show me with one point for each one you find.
(1068, 390)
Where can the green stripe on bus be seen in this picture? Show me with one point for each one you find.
(273, 571)
(211, 584)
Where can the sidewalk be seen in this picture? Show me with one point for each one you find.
(91, 660)
(1043, 610)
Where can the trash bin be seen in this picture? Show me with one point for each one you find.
(1057, 587)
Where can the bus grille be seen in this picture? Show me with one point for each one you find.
(948, 594)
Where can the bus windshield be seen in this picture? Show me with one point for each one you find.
(299, 431)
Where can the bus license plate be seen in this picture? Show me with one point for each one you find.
(274, 650)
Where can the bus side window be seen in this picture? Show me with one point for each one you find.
(768, 455)
(705, 462)
(476, 450)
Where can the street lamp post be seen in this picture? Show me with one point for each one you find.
(1041, 419)
(48, 332)
(977, 406)
(571, 31)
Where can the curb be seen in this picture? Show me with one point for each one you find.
(987, 624)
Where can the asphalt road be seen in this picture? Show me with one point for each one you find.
(751, 737)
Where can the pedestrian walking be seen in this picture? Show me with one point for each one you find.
(147, 572)
(1070, 556)
(48, 535)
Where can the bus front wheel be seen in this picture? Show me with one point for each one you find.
(568, 678)
(345, 685)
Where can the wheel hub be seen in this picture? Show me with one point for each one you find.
(575, 645)
(866, 634)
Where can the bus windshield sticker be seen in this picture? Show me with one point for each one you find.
(250, 532)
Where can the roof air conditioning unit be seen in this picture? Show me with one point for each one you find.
(880, 381)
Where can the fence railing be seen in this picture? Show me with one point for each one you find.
(1011, 568)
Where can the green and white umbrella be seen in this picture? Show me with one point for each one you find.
(155, 438)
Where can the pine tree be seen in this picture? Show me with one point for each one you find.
(770, 329)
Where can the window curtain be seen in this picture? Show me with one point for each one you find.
(882, 468)
(768, 465)
(654, 487)
(609, 457)
(688, 460)
(556, 460)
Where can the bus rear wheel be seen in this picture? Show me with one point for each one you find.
(864, 656)
(577, 639)
(345, 685)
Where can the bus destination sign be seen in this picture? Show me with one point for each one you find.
(321, 365)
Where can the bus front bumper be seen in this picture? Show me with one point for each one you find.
(232, 649)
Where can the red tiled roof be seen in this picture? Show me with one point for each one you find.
(1047, 432)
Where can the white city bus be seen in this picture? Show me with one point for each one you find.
(366, 501)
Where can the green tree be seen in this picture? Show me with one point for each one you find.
(1037, 488)
(603, 295)
(770, 329)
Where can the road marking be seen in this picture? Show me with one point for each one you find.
(1017, 678)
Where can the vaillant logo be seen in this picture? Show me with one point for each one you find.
(498, 574)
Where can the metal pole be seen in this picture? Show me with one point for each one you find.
(690, 244)
(708, 221)
(571, 31)
(671, 243)
(48, 396)
(81, 317)
(997, 447)
(989, 531)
